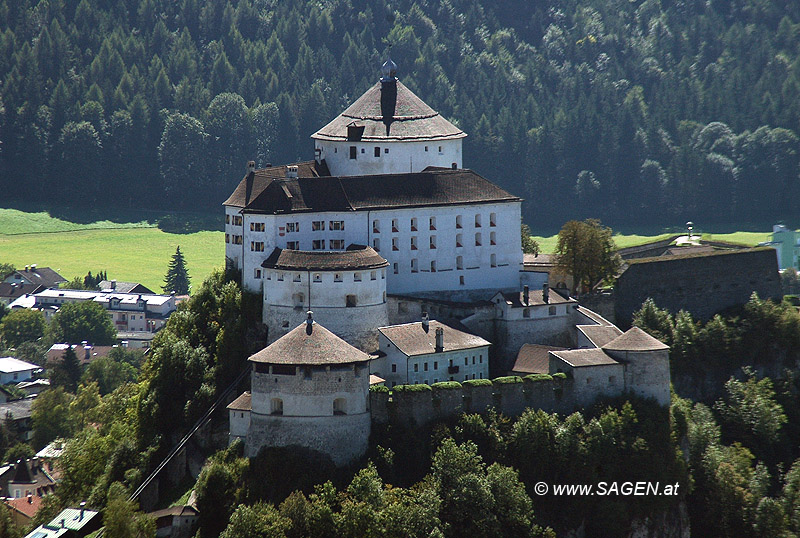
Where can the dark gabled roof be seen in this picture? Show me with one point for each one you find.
(535, 298)
(254, 184)
(124, 287)
(635, 339)
(13, 290)
(431, 187)
(309, 346)
(41, 276)
(534, 359)
(354, 258)
(411, 339)
(243, 403)
(695, 254)
(413, 120)
(16, 410)
(22, 475)
(599, 335)
(581, 358)
(174, 511)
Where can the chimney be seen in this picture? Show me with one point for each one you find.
(251, 167)
(310, 322)
(455, 166)
(291, 171)
(545, 292)
(83, 507)
(63, 521)
(30, 498)
(425, 322)
(27, 268)
(113, 284)
(526, 294)
(439, 340)
(33, 267)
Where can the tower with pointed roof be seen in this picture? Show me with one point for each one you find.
(309, 389)
(388, 130)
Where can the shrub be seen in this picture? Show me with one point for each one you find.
(509, 379)
(446, 385)
(559, 375)
(379, 388)
(477, 383)
(412, 388)
(538, 377)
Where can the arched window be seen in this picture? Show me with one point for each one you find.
(339, 406)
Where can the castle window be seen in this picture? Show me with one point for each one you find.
(279, 277)
(318, 244)
(551, 311)
(376, 244)
(414, 224)
(492, 219)
(298, 299)
(353, 153)
(337, 244)
(395, 268)
(612, 379)
(461, 280)
(425, 366)
(414, 267)
(335, 225)
(394, 368)
(394, 226)
(477, 239)
(477, 221)
(317, 277)
(416, 367)
(459, 240)
(394, 244)
(435, 366)
(458, 221)
(236, 239)
(413, 242)
(285, 325)
(526, 312)
(385, 150)
(383, 274)
(440, 150)
(459, 262)
(433, 266)
(588, 380)
(257, 226)
(293, 245)
(227, 219)
(337, 277)
(426, 148)
(237, 220)
(276, 406)
(292, 227)
(296, 277)
(363, 150)
(377, 151)
(318, 225)
(493, 238)
(493, 260)
(227, 238)
(257, 246)
(373, 275)
(376, 226)
(433, 242)
(432, 223)
(307, 372)
(257, 273)
(356, 277)
(466, 361)
(283, 369)
(351, 301)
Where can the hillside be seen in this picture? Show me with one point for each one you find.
(646, 111)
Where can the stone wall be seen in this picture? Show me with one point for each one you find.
(701, 284)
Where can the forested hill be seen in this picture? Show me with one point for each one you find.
(630, 111)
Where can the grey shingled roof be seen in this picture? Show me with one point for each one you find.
(534, 359)
(599, 335)
(536, 298)
(413, 119)
(581, 358)
(41, 276)
(355, 257)
(431, 187)
(635, 339)
(243, 403)
(411, 339)
(317, 346)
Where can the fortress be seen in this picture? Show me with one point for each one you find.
(381, 228)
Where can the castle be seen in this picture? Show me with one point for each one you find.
(382, 227)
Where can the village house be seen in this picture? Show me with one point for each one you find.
(35, 276)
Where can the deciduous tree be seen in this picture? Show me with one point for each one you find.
(586, 250)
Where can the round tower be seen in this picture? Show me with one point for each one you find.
(345, 289)
(388, 130)
(310, 388)
(646, 364)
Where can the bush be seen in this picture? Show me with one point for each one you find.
(538, 377)
(412, 388)
(507, 380)
(446, 385)
(379, 388)
(477, 383)
(559, 375)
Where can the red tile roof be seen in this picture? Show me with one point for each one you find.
(27, 506)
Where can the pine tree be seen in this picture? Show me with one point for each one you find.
(177, 279)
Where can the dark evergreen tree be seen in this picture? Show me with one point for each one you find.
(177, 279)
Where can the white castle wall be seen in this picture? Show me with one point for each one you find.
(401, 156)
(646, 373)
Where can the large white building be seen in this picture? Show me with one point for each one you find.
(387, 174)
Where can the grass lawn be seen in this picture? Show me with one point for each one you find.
(14, 221)
(128, 254)
(548, 244)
